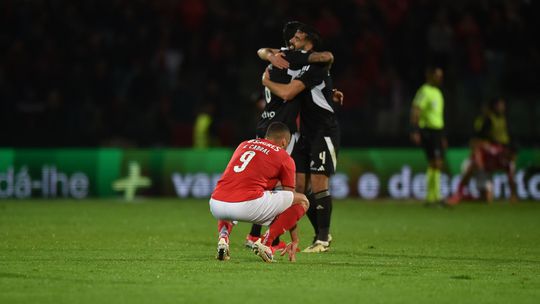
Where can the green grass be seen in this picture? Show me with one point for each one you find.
(162, 251)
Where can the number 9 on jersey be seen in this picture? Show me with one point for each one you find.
(245, 159)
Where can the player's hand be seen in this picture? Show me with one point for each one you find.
(278, 61)
(415, 138)
(265, 76)
(337, 96)
(290, 249)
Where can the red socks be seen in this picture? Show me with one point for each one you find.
(224, 228)
(461, 188)
(283, 222)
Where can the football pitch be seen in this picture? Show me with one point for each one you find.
(163, 251)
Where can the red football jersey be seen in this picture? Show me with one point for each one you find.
(256, 166)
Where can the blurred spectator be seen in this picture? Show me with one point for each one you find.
(440, 39)
(203, 136)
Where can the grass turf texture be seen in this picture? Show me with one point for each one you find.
(162, 251)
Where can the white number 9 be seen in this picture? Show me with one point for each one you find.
(245, 159)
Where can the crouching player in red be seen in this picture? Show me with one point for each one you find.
(492, 150)
(244, 193)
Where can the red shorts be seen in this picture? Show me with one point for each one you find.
(495, 157)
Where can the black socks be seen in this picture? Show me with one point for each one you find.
(319, 213)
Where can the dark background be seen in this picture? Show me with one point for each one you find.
(135, 73)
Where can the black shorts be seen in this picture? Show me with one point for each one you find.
(432, 142)
(317, 154)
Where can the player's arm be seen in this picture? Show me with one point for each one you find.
(304, 58)
(264, 53)
(416, 110)
(287, 174)
(415, 129)
(293, 245)
(274, 56)
(321, 57)
(277, 59)
(286, 91)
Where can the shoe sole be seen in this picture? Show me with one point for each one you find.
(222, 251)
(262, 253)
(317, 249)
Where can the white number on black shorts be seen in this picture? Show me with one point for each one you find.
(245, 159)
(322, 156)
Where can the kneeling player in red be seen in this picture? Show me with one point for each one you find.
(244, 193)
(492, 150)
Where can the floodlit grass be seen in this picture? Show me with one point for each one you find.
(162, 251)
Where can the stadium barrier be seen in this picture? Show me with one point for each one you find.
(362, 173)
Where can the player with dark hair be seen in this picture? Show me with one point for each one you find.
(491, 150)
(320, 134)
(285, 64)
(245, 193)
(427, 129)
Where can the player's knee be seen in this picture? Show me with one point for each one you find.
(301, 199)
(319, 182)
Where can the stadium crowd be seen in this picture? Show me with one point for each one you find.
(137, 73)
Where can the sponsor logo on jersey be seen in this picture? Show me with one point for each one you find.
(267, 114)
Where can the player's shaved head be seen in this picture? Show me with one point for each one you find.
(279, 134)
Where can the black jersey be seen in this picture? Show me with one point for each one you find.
(276, 108)
(318, 113)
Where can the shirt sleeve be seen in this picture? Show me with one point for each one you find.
(313, 75)
(419, 99)
(287, 175)
(297, 58)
